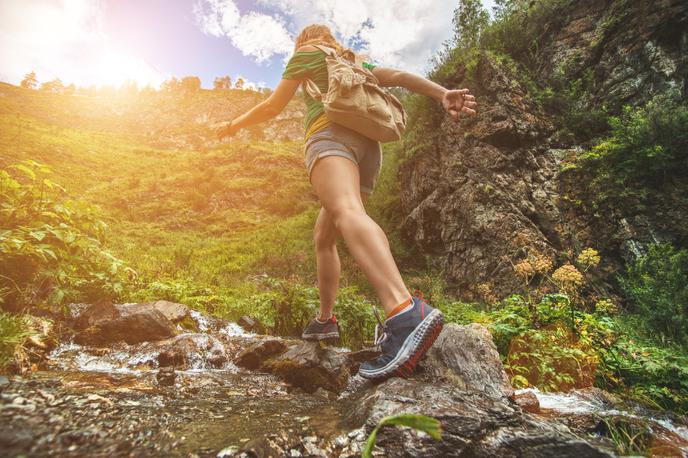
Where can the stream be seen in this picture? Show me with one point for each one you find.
(119, 401)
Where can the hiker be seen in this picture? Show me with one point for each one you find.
(343, 166)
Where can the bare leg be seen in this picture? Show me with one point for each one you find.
(327, 259)
(336, 182)
(327, 262)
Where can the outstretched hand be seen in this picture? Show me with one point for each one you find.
(226, 131)
(457, 101)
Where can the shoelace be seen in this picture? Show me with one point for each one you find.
(380, 329)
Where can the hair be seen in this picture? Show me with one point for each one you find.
(322, 35)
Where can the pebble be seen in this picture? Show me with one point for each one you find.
(228, 452)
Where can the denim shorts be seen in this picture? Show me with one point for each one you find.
(337, 140)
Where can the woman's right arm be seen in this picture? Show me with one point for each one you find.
(454, 101)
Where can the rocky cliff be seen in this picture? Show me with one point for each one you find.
(485, 190)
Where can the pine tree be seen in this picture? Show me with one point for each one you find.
(30, 81)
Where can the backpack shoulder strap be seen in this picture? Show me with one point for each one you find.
(327, 50)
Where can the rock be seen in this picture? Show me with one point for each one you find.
(228, 452)
(251, 324)
(310, 366)
(527, 401)
(361, 356)
(253, 356)
(171, 358)
(172, 311)
(473, 424)
(104, 324)
(478, 192)
(467, 357)
(166, 376)
(188, 351)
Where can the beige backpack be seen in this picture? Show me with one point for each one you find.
(355, 100)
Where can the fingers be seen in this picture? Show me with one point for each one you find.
(468, 111)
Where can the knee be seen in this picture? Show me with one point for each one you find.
(342, 213)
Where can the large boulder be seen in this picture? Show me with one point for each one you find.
(467, 357)
(104, 323)
(473, 424)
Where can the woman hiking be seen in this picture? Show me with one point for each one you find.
(343, 166)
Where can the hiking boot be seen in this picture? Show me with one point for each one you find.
(403, 339)
(319, 330)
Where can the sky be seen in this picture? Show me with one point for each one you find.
(108, 42)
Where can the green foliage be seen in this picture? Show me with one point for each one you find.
(657, 286)
(520, 25)
(647, 149)
(428, 425)
(13, 333)
(51, 248)
(630, 436)
(646, 372)
(566, 97)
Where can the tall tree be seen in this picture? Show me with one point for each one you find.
(222, 82)
(55, 86)
(30, 81)
(470, 20)
(239, 83)
(191, 84)
(170, 85)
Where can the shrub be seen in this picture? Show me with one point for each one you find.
(657, 287)
(13, 334)
(51, 247)
(647, 148)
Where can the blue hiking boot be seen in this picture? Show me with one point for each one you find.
(327, 331)
(403, 339)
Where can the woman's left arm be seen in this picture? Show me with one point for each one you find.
(265, 110)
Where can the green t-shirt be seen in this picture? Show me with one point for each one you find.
(312, 65)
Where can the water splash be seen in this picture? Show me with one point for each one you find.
(574, 404)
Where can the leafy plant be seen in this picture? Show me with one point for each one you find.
(429, 425)
(647, 147)
(657, 286)
(13, 334)
(51, 247)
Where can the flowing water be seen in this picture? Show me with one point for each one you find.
(584, 404)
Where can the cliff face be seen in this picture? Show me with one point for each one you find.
(490, 187)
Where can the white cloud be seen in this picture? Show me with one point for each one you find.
(65, 39)
(254, 34)
(395, 33)
(248, 84)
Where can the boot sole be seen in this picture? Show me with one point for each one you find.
(413, 349)
(329, 337)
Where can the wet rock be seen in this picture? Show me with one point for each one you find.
(171, 358)
(166, 376)
(473, 424)
(104, 323)
(254, 355)
(361, 356)
(228, 452)
(527, 401)
(173, 311)
(467, 357)
(251, 324)
(310, 366)
(187, 351)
